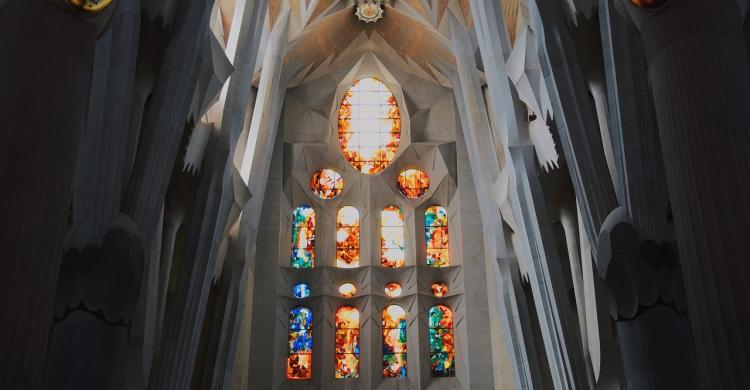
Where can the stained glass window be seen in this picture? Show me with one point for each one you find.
(347, 342)
(439, 289)
(436, 236)
(413, 183)
(347, 290)
(326, 184)
(441, 341)
(303, 237)
(299, 361)
(347, 237)
(394, 341)
(392, 253)
(301, 290)
(393, 290)
(369, 126)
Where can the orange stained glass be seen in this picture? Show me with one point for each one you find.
(369, 126)
(347, 342)
(648, 3)
(299, 360)
(347, 237)
(347, 290)
(393, 290)
(442, 351)
(326, 184)
(303, 237)
(439, 289)
(392, 253)
(394, 341)
(436, 236)
(413, 183)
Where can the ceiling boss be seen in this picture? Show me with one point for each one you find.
(368, 10)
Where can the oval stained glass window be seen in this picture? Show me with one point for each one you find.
(326, 184)
(301, 290)
(369, 126)
(439, 289)
(413, 183)
(393, 290)
(347, 290)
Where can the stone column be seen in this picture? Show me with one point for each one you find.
(44, 84)
(700, 77)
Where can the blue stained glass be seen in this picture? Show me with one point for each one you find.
(301, 290)
(300, 318)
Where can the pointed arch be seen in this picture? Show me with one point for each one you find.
(303, 237)
(347, 237)
(436, 236)
(299, 360)
(392, 254)
(394, 341)
(442, 353)
(347, 342)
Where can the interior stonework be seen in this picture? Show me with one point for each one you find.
(374, 194)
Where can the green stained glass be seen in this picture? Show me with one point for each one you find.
(303, 237)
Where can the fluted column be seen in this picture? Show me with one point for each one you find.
(44, 82)
(700, 77)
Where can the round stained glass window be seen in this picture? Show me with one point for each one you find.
(347, 290)
(439, 289)
(413, 183)
(326, 184)
(301, 290)
(369, 126)
(393, 290)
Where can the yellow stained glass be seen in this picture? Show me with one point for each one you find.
(393, 290)
(394, 341)
(347, 290)
(436, 236)
(369, 126)
(392, 253)
(303, 237)
(347, 342)
(413, 183)
(347, 237)
(441, 342)
(439, 289)
(326, 184)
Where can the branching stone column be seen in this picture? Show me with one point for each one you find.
(700, 77)
(44, 86)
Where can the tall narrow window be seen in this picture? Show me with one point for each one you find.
(436, 236)
(347, 237)
(299, 362)
(303, 237)
(392, 237)
(347, 342)
(441, 341)
(394, 342)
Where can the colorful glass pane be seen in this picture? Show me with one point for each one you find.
(439, 289)
(394, 341)
(347, 290)
(442, 352)
(393, 290)
(299, 361)
(436, 236)
(303, 237)
(413, 183)
(369, 126)
(347, 237)
(326, 184)
(301, 290)
(392, 253)
(347, 342)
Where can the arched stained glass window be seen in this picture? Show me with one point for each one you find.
(441, 341)
(347, 237)
(369, 126)
(394, 341)
(303, 237)
(392, 253)
(436, 236)
(299, 361)
(347, 342)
